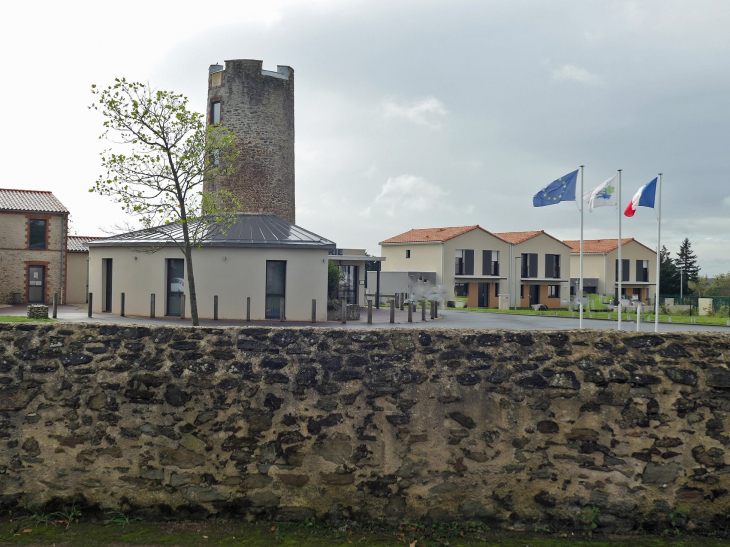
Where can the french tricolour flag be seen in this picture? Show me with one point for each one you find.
(643, 198)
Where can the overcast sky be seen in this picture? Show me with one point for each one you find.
(409, 114)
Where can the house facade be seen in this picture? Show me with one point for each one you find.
(601, 268)
(354, 285)
(541, 268)
(261, 257)
(77, 287)
(33, 257)
(468, 260)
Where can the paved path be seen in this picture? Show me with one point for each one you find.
(450, 318)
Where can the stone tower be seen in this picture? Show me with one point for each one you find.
(258, 107)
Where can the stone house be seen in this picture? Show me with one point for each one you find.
(33, 257)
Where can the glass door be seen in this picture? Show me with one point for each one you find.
(36, 284)
(175, 285)
(275, 287)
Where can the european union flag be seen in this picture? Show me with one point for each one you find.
(559, 190)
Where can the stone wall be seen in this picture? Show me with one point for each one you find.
(511, 428)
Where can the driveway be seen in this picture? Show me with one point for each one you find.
(381, 319)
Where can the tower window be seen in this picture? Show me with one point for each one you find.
(408, 253)
(215, 113)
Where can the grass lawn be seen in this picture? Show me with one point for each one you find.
(290, 535)
(21, 319)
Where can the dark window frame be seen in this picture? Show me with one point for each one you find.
(642, 271)
(552, 266)
(36, 246)
(529, 265)
(553, 291)
(625, 270)
(408, 253)
(212, 112)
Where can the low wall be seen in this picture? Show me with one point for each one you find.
(510, 428)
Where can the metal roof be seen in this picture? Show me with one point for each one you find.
(249, 230)
(77, 244)
(30, 201)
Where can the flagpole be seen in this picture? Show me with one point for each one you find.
(658, 252)
(580, 290)
(619, 269)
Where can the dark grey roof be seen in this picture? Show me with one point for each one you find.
(249, 230)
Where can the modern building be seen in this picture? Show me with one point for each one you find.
(261, 257)
(257, 105)
(352, 263)
(77, 288)
(33, 234)
(541, 268)
(468, 260)
(600, 268)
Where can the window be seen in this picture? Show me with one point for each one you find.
(215, 113)
(275, 288)
(349, 283)
(552, 266)
(642, 270)
(625, 264)
(553, 291)
(529, 265)
(175, 285)
(461, 289)
(408, 253)
(36, 234)
(522, 291)
(496, 289)
(216, 157)
(490, 262)
(464, 262)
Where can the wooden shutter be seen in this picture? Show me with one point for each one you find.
(468, 262)
(486, 262)
(533, 265)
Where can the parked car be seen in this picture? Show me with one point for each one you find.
(177, 285)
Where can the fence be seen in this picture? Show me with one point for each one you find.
(720, 304)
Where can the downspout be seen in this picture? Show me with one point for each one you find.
(605, 272)
(61, 291)
(511, 274)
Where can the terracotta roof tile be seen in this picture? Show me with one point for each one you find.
(30, 201)
(600, 245)
(518, 237)
(77, 244)
(425, 235)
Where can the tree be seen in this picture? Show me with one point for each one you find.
(700, 286)
(720, 285)
(669, 274)
(334, 278)
(687, 262)
(158, 177)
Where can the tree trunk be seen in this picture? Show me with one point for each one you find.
(191, 285)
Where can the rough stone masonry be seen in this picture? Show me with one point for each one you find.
(510, 428)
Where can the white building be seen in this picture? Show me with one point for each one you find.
(260, 257)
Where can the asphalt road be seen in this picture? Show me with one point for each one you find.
(450, 319)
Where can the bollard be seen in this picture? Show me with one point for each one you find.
(370, 312)
(392, 311)
(590, 315)
(282, 310)
(121, 305)
(394, 302)
(152, 306)
(344, 311)
(55, 305)
(91, 299)
(401, 301)
(410, 312)
(182, 306)
(423, 311)
(556, 314)
(728, 323)
(670, 319)
(314, 310)
(215, 307)
(248, 308)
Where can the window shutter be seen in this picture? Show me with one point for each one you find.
(625, 269)
(549, 266)
(486, 262)
(640, 270)
(468, 262)
(533, 265)
(616, 275)
(524, 265)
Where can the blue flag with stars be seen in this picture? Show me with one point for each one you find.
(559, 190)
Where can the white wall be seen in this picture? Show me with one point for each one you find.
(242, 274)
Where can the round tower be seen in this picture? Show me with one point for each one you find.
(258, 107)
